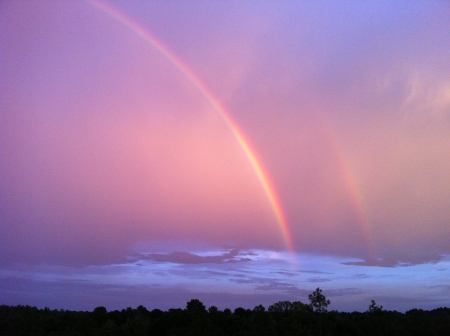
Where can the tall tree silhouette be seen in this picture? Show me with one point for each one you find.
(319, 302)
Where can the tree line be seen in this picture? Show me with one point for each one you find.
(283, 318)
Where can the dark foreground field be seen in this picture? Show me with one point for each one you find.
(282, 318)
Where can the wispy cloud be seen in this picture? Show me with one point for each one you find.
(404, 261)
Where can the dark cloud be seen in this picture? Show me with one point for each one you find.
(277, 286)
(315, 272)
(228, 274)
(318, 280)
(344, 292)
(290, 274)
(190, 258)
(264, 283)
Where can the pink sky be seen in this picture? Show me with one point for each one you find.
(118, 172)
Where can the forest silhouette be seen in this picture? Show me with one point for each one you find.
(283, 318)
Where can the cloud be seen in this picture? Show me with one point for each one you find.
(190, 258)
(283, 286)
(315, 272)
(314, 280)
(403, 261)
(290, 274)
(344, 292)
(277, 286)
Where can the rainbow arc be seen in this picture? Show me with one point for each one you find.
(238, 134)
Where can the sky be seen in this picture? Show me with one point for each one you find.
(237, 152)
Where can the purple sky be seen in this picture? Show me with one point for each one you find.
(121, 184)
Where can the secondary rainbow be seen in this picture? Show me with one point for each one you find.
(354, 192)
(263, 177)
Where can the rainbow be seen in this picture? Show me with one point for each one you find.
(255, 163)
(355, 194)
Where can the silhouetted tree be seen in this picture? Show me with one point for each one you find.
(259, 309)
(280, 307)
(195, 306)
(99, 315)
(319, 302)
(374, 308)
(198, 317)
(212, 310)
(300, 307)
(280, 320)
(239, 311)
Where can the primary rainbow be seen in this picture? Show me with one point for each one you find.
(263, 177)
